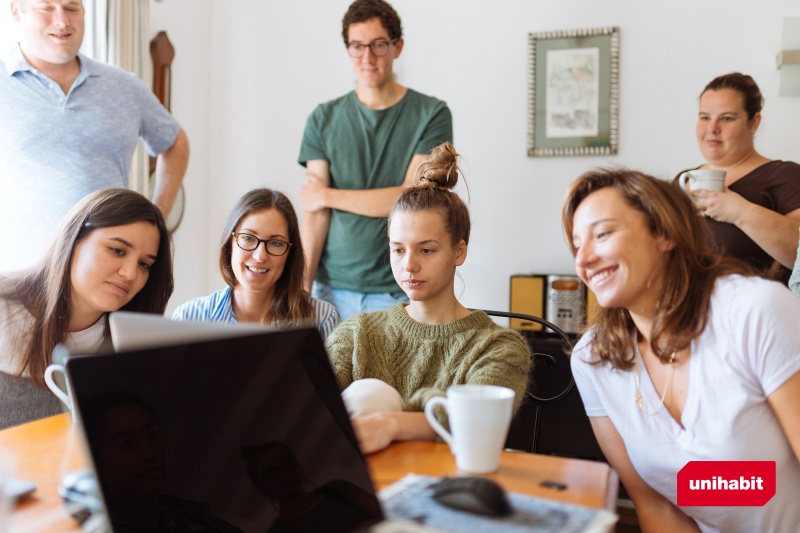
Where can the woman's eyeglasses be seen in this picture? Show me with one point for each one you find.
(249, 242)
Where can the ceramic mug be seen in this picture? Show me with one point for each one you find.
(53, 374)
(479, 417)
(710, 180)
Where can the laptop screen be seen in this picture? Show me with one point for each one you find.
(242, 434)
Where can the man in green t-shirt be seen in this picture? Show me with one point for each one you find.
(360, 150)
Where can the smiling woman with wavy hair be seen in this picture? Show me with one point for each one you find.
(691, 357)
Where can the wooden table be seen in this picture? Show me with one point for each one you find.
(47, 449)
(589, 483)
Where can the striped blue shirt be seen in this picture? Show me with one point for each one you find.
(218, 307)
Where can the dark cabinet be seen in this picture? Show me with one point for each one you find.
(564, 428)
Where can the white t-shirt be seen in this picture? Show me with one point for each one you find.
(21, 400)
(16, 321)
(748, 349)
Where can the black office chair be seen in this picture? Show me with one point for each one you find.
(549, 361)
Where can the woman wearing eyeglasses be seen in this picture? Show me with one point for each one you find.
(261, 260)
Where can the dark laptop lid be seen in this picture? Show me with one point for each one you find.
(239, 434)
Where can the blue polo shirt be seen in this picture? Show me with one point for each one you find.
(55, 148)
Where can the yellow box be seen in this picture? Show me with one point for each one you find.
(527, 297)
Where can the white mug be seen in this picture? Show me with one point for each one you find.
(710, 180)
(479, 416)
(55, 388)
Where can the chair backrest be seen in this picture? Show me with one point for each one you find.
(550, 360)
(562, 428)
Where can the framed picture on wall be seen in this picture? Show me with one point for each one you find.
(573, 92)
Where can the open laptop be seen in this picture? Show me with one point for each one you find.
(243, 433)
(134, 331)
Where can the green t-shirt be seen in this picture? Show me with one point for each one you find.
(368, 149)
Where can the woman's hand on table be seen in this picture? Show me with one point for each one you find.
(378, 430)
(375, 431)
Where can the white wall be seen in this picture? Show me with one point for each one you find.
(248, 73)
(189, 27)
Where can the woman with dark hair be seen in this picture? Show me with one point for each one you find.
(691, 358)
(757, 217)
(265, 283)
(389, 363)
(111, 253)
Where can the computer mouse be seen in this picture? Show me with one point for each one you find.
(81, 494)
(472, 494)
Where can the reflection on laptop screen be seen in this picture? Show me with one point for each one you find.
(242, 434)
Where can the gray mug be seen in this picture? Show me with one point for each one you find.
(709, 180)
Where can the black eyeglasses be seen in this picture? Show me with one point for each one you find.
(249, 242)
(379, 48)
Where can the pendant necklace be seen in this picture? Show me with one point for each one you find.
(639, 400)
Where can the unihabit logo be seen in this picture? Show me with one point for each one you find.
(720, 483)
(726, 483)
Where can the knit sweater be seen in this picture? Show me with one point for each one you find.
(422, 361)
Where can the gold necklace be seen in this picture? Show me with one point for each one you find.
(639, 400)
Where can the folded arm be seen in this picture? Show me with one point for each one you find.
(314, 228)
(318, 195)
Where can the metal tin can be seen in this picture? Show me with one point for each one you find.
(565, 302)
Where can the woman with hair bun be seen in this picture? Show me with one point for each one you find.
(757, 217)
(389, 363)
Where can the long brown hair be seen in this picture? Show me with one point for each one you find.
(433, 192)
(45, 289)
(291, 302)
(692, 266)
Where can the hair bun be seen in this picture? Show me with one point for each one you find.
(441, 169)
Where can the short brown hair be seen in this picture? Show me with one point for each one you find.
(364, 10)
(692, 265)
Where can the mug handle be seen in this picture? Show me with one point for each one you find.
(431, 418)
(53, 386)
(683, 178)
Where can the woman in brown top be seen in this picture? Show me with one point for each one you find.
(756, 219)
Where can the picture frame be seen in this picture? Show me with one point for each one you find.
(573, 92)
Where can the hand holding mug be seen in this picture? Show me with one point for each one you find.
(725, 207)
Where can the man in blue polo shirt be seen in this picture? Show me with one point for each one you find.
(69, 126)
